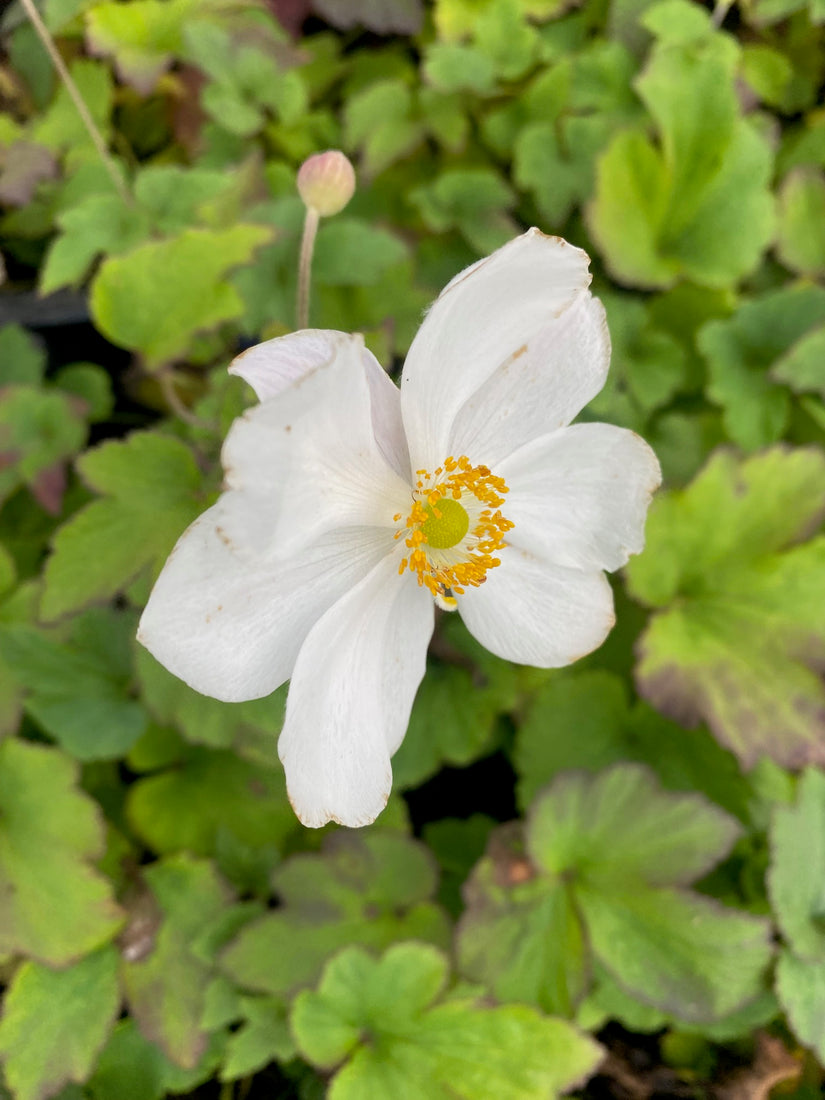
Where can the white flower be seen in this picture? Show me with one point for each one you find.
(351, 508)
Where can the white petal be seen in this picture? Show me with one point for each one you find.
(540, 389)
(272, 367)
(230, 622)
(311, 456)
(536, 613)
(579, 497)
(350, 698)
(480, 323)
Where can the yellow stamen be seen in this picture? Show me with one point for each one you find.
(454, 528)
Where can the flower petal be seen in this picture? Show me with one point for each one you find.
(540, 388)
(579, 497)
(274, 366)
(311, 457)
(536, 613)
(350, 698)
(229, 621)
(489, 318)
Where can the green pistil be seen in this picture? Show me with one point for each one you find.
(448, 527)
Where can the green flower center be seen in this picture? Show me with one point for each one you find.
(446, 524)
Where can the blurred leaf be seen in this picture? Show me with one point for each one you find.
(737, 638)
(80, 691)
(698, 205)
(800, 985)
(379, 121)
(250, 728)
(22, 357)
(367, 888)
(503, 34)
(797, 868)
(132, 1068)
(100, 224)
(53, 906)
(60, 126)
(350, 252)
(150, 487)
(456, 708)
(472, 200)
(379, 1016)
(740, 351)
(264, 1037)
(802, 367)
(184, 807)
(451, 67)
(380, 16)
(142, 37)
(39, 431)
(607, 862)
(157, 297)
(801, 237)
(91, 384)
(165, 991)
(585, 720)
(55, 1023)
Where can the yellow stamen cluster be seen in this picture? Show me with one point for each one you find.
(446, 564)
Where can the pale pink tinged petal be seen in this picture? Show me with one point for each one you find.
(350, 698)
(548, 380)
(536, 613)
(230, 623)
(311, 455)
(479, 323)
(579, 497)
(272, 367)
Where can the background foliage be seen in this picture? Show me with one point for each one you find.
(657, 883)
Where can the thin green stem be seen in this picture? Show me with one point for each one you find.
(51, 49)
(305, 267)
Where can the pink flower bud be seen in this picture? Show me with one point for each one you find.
(326, 182)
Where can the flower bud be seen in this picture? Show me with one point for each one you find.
(326, 182)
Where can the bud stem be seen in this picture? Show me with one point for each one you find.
(74, 92)
(305, 266)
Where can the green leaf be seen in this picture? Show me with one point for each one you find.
(186, 806)
(132, 1068)
(801, 236)
(697, 205)
(92, 384)
(79, 692)
(451, 67)
(157, 297)
(678, 951)
(380, 16)
(740, 626)
(142, 38)
(22, 357)
(740, 352)
(584, 720)
(151, 488)
(504, 35)
(802, 367)
(380, 1013)
(166, 990)
(264, 1037)
(60, 126)
(55, 1023)
(797, 869)
(379, 121)
(369, 888)
(250, 728)
(602, 879)
(472, 200)
(100, 224)
(39, 431)
(800, 985)
(456, 708)
(350, 252)
(50, 832)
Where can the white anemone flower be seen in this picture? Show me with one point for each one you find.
(352, 508)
